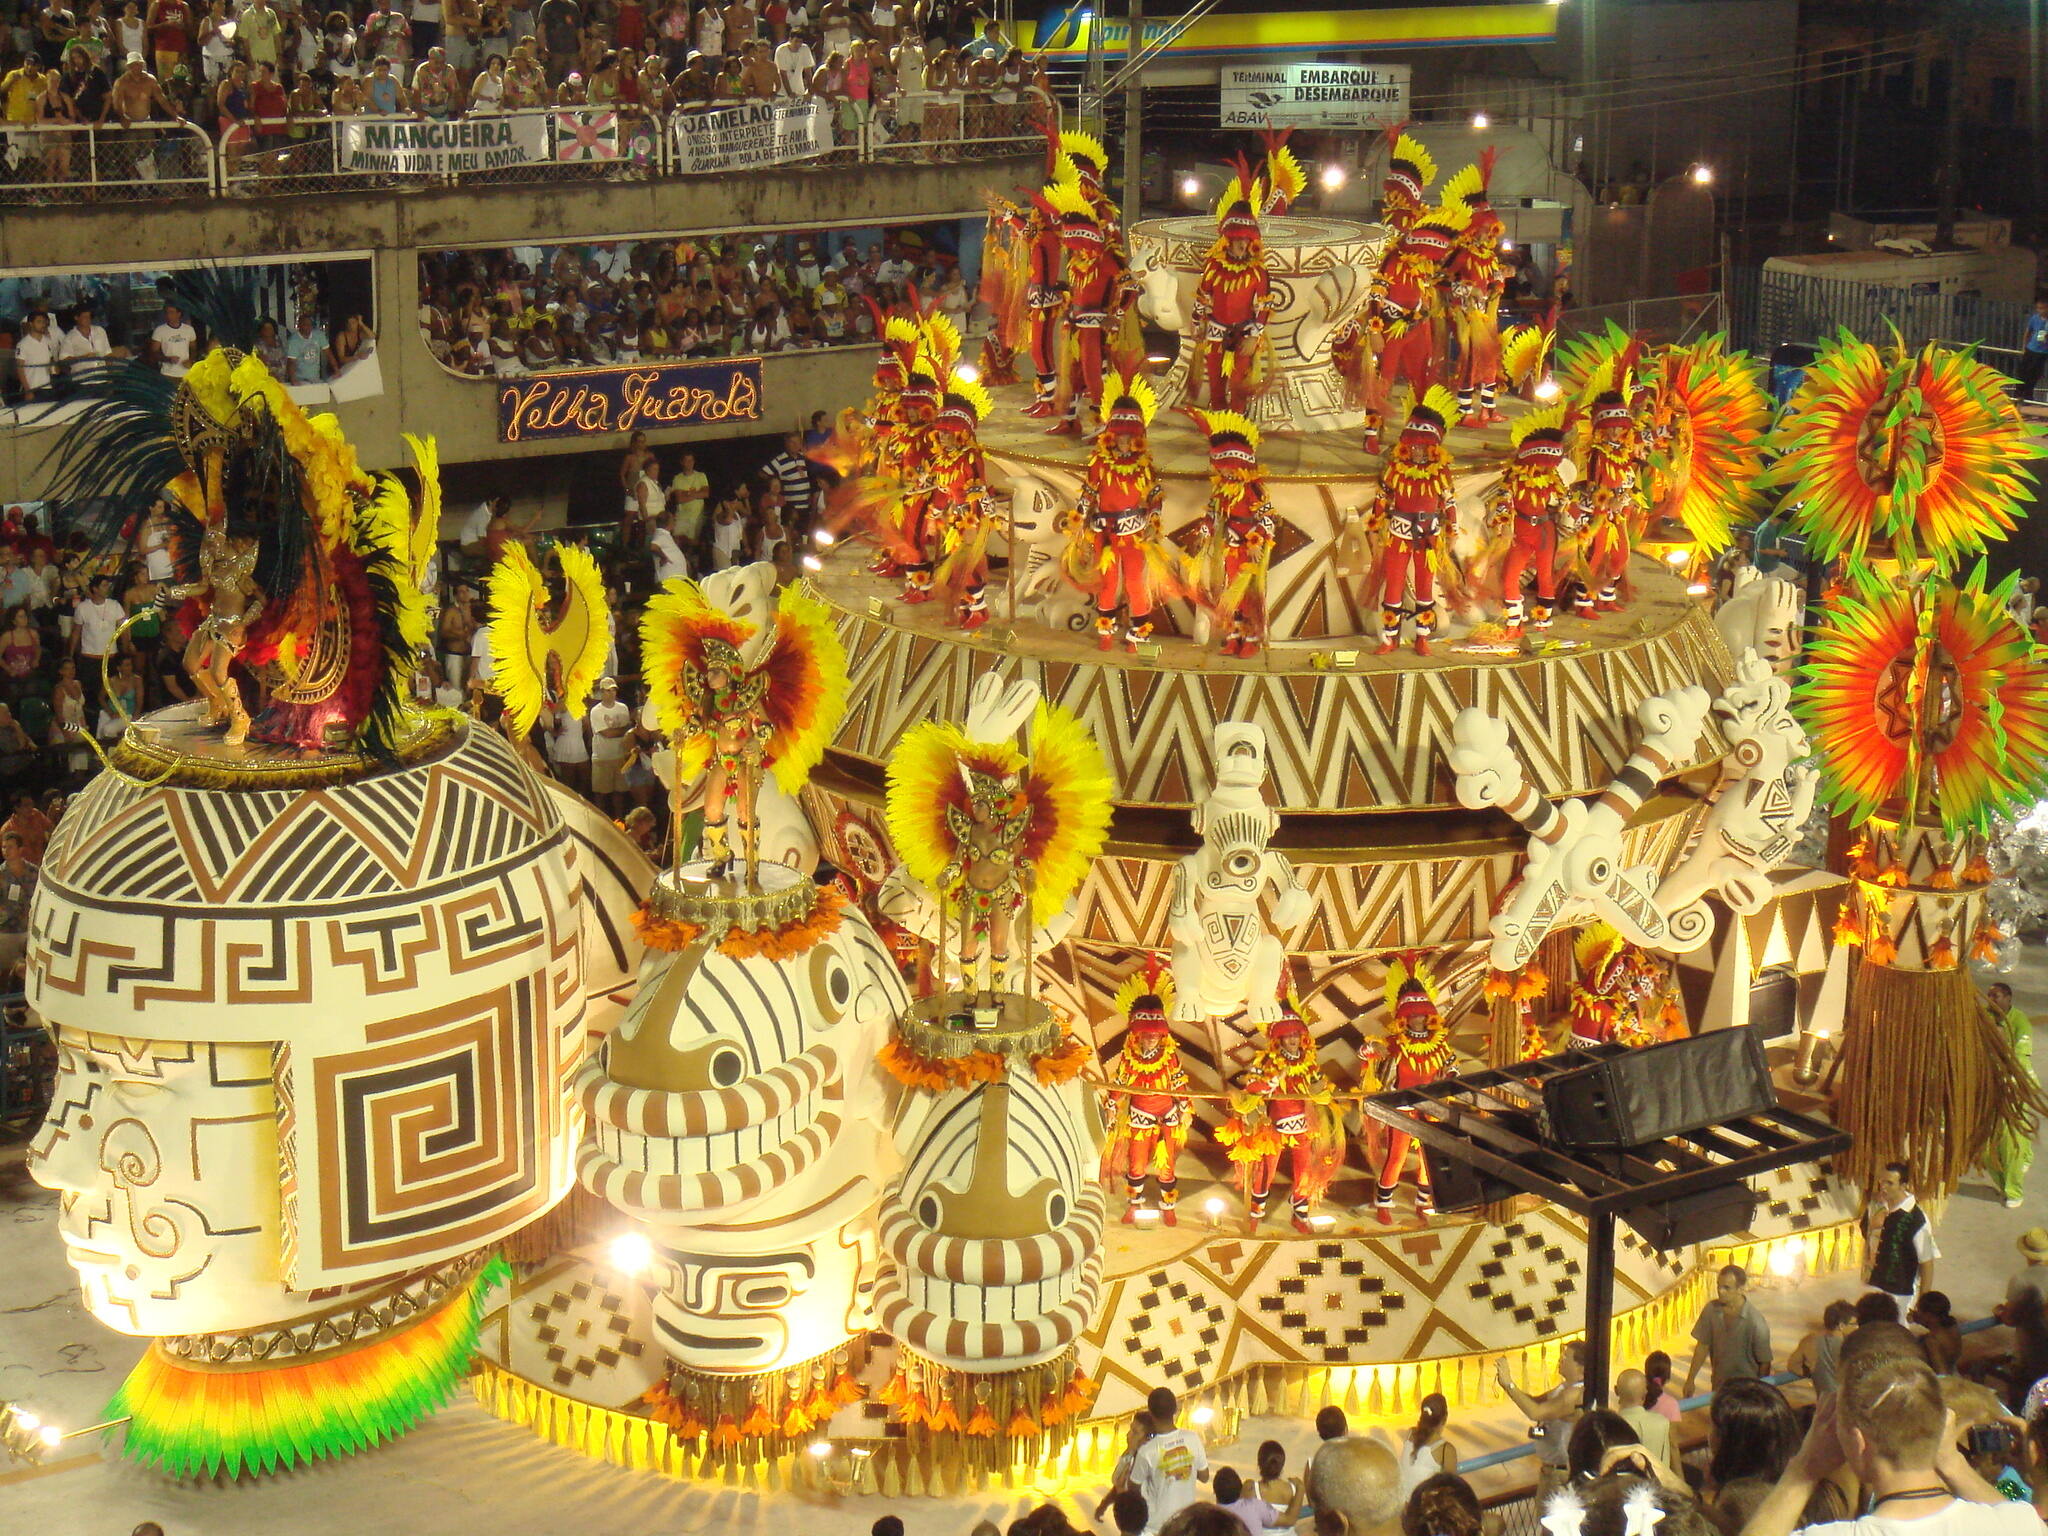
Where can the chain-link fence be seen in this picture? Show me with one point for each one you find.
(98, 163)
(1772, 308)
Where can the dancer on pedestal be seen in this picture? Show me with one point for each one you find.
(961, 506)
(917, 530)
(1045, 300)
(1477, 278)
(1089, 163)
(1113, 541)
(1234, 296)
(1237, 539)
(1148, 1116)
(1284, 1109)
(1525, 508)
(1415, 510)
(1418, 1051)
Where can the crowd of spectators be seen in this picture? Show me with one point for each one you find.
(528, 309)
(256, 73)
(58, 333)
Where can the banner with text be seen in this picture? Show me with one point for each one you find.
(1314, 95)
(755, 134)
(584, 402)
(398, 146)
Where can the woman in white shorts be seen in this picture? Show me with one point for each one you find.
(568, 748)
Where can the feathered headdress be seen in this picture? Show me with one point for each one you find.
(1128, 401)
(1522, 353)
(804, 668)
(1410, 170)
(1237, 210)
(966, 404)
(1539, 434)
(1151, 980)
(524, 637)
(1284, 178)
(1063, 790)
(1086, 151)
(1233, 438)
(1411, 984)
(1711, 405)
(1079, 224)
(1434, 414)
(1596, 947)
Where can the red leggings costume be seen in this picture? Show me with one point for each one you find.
(1149, 1120)
(1531, 495)
(1418, 1052)
(1608, 503)
(1415, 506)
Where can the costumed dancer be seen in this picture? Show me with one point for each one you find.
(961, 506)
(1409, 293)
(1525, 507)
(1005, 276)
(1615, 979)
(1098, 287)
(1415, 510)
(1234, 295)
(1417, 1053)
(1607, 501)
(1477, 277)
(917, 530)
(1149, 1115)
(1090, 166)
(1356, 349)
(1045, 302)
(1000, 837)
(1113, 540)
(738, 700)
(1237, 546)
(1285, 1109)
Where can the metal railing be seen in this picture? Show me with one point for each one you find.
(92, 162)
(1772, 308)
(308, 155)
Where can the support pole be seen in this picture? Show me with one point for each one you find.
(1947, 183)
(1599, 1308)
(1134, 107)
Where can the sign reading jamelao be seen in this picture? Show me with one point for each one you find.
(396, 146)
(589, 401)
(1318, 95)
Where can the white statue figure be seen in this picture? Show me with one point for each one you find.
(1573, 869)
(1764, 614)
(1226, 957)
(1764, 797)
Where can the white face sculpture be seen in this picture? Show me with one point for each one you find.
(149, 1143)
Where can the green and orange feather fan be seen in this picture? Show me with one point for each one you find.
(1928, 702)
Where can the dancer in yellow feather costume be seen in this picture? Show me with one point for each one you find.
(738, 700)
(525, 639)
(996, 832)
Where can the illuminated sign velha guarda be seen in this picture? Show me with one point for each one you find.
(585, 402)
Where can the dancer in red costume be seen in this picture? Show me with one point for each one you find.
(961, 509)
(1237, 542)
(1525, 507)
(1149, 1116)
(1098, 289)
(1284, 1110)
(1418, 1051)
(1045, 298)
(1113, 544)
(1615, 980)
(1414, 510)
(1476, 278)
(1234, 296)
(915, 534)
(1090, 165)
(1356, 348)
(1607, 501)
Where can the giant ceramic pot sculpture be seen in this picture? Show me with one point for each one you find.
(1319, 269)
(316, 1054)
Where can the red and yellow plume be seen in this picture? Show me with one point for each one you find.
(1151, 977)
(1409, 964)
(1227, 423)
(1407, 151)
(1549, 419)
(1067, 199)
(1085, 149)
(1523, 352)
(526, 633)
(1712, 409)
(1595, 945)
(1285, 179)
(1134, 387)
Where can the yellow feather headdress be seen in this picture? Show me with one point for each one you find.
(1066, 198)
(1134, 387)
(1152, 978)
(1086, 149)
(1401, 969)
(1285, 180)
(1549, 419)
(523, 637)
(1521, 353)
(1411, 151)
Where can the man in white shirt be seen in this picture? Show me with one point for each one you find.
(476, 528)
(35, 358)
(795, 62)
(1169, 1467)
(171, 344)
(1899, 1248)
(93, 622)
(894, 268)
(84, 351)
(1651, 1427)
(670, 563)
(611, 732)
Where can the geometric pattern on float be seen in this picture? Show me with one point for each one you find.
(1376, 738)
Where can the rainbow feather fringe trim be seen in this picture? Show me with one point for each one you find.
(202, 1423)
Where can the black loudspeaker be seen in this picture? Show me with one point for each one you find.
(1696, 1218)
(1774, 1004)
(1456, 1187)
(1643, 1096)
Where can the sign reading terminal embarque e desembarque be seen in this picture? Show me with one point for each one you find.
(397, 146)
(1314, 95)
(585, 402)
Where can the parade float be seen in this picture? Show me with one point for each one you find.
(1186, 756)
